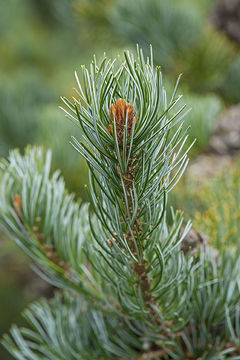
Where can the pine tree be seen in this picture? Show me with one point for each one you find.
(131, 287)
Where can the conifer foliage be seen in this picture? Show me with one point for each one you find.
(129, 291)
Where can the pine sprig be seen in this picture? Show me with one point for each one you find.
(133, 163)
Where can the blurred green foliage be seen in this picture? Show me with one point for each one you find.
(21, 99)
(231, 85)
(201, 120)
(182, 37)
(13, 294)
(56, 132)
(151, 22)
(213, 204)
(37, 67)
(206, 64)
(95, 14)
(219, 218)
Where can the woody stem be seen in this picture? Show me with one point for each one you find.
(139, 268)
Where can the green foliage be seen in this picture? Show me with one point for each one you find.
(230, 87)
(69, 328)
(215, 312)
(191, 46)
(54, 13)
(28, 116)
(72, 328)
(220, 219)
(94, 11)
(130, 291)
(206, 64)
(213, 204)
(73, 168)
(13, 294)
(152, 22)
(202, 119)
(20, 104)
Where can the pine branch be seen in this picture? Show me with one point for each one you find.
(130, 290)
(37, 211)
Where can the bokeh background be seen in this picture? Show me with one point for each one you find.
(42, 43)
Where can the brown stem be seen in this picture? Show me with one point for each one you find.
(139, 268)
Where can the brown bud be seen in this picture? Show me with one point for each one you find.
(121, 110)
(17, 204)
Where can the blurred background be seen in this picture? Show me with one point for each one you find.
(43, 42)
